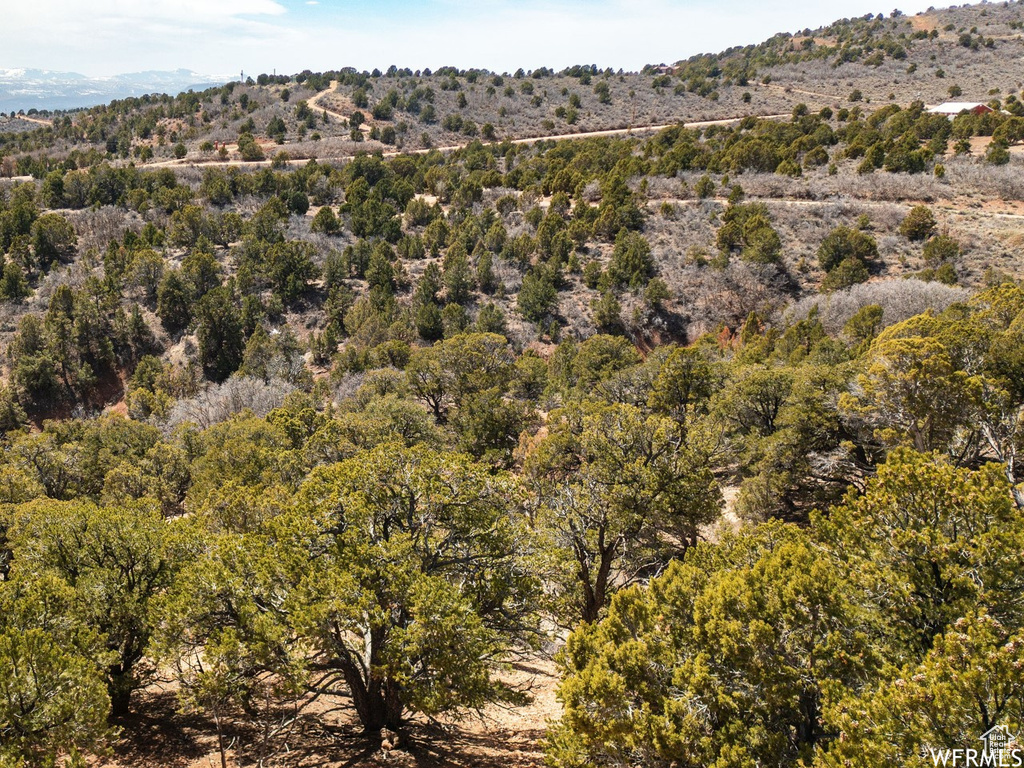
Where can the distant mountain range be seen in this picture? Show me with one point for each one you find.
(25, 89)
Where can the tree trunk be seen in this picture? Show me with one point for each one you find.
(807, 730)
(220, 746)
(381, 708)
(601, 587)
(589, 607)
(377, 702)
(120, 687)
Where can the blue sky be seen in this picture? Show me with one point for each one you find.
(223, 37)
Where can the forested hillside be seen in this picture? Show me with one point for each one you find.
(335, 414)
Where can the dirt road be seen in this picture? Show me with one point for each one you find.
(639, 129)
(36, 120)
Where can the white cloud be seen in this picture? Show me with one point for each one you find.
(37, 17)
(618, 33)
(216, 36)
(109, 36)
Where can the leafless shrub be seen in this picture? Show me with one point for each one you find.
(899, 300)
(689, 225)
(574, 308)
(885, 217)
(592, 192)
(769, 185)
(72, 275)
(492, 195)
(14, 125)
(96, 228)
(660, 188)
(221, 401)
(517, 225)
(347, 385)
(895, 186)
(508, 275)
(715, 297)
(518, 330)
(324, 244)
(11, 314)
(889, 246)
(247, 205)
(1005, 182)
(190, 175)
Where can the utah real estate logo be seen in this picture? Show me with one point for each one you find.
(1000, 750)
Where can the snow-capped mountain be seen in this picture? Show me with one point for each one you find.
(25, 89)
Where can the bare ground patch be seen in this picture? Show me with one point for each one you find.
(158, 735)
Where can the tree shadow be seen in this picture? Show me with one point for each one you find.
(156, 734)
(432, 746)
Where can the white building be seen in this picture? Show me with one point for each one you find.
(954, 108)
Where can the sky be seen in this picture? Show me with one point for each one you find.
(225, 37)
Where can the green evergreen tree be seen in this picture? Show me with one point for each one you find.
(219, 332)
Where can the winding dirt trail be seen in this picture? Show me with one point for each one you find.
(316, 101)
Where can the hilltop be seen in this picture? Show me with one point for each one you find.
(971, 51)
